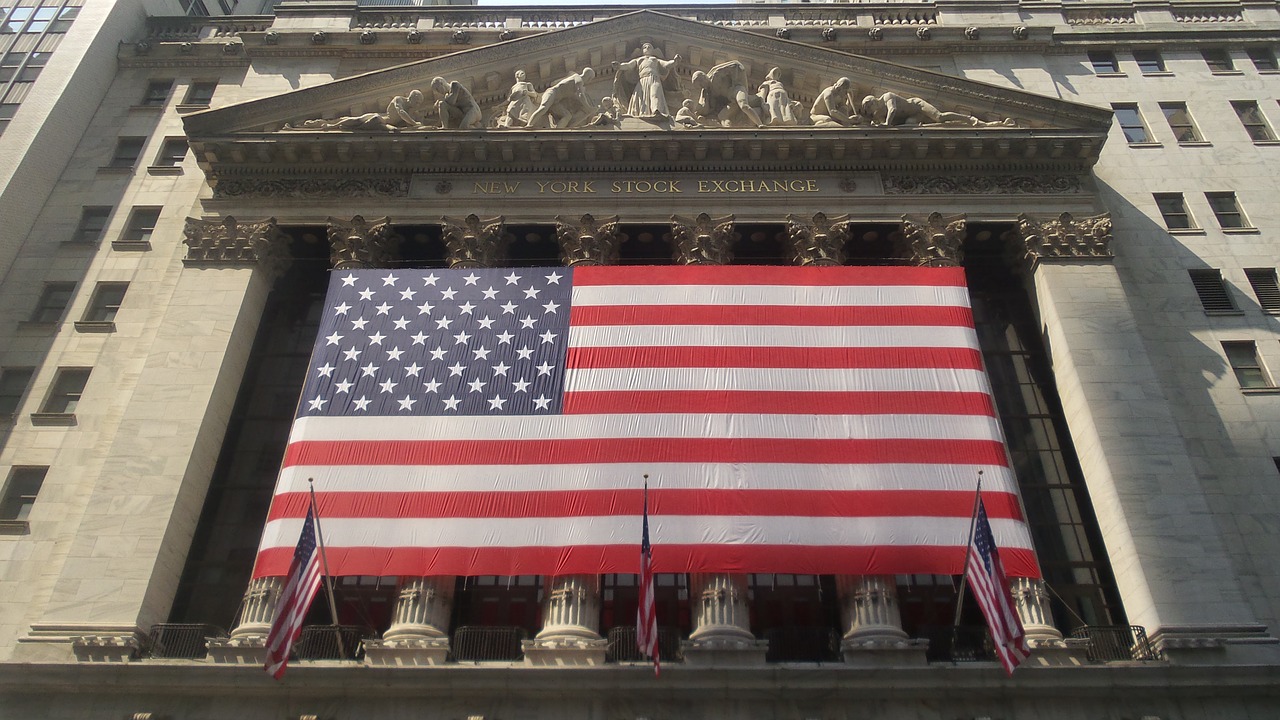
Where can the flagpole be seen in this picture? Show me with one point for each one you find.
(324, 561)
(968, 551)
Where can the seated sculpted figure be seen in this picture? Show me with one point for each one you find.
(777, 102)
(723, 95)
(892, 110)
(458, 110)
(834, 106)
(638, 85)
(402, 113)
(522, 100)
(565, 104)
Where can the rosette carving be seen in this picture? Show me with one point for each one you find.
(587, 241)
(703, 240)
(472, 242)
(358, 243)
(819, 241)
(934, 241)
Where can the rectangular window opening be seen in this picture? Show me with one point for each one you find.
(1227, 210)
(1255, 123)
(1263, 59)
(1242, 356)
(20, 492)
(64, 396)
(13, 386)
(127, 151)
(53, 302)
(1104, 62)
(1180, 122)
(105, 302)
(200, 93)
(93, 221)
(1212, 289)
(1174, 211)
(157, 93)
(142, 222)
(1265, 288)
(1131, 123)
(172, 153)
(1149, 61)
(1218, 60)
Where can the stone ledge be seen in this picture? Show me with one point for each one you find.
(724, 652)
(565, 652)
(406, 652)
(107, 648)
(905, 652)
(246, 650)
(47, 419)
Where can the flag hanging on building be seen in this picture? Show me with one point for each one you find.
(802, 419)
(300, 588)
(647, 611)
(991, 589)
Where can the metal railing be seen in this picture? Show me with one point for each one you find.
(184, 641)
(1117, 642)
(623, 647)
(479, 643)
(965, 643)
(320, 642)
(802, 644)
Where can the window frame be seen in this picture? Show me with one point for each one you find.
(1187, 124)
(1268, 57)
(1234, 214)
(47, 310)
(137, 232)
(103, 307)
(1266, 288)
(196, 94)
(1149, 58)
(1219, 60)
(127, 151)
(167, 158)
(1118, 109)
(1244, 361)
(89, 216)
(1255, 123)
(1181, 211)
(1212, 290)
(151, 97)
(16, 501)
(1103, 62)
(65, 392)
(12, 391)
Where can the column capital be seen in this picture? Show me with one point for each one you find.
(933, 241)
(703, 240)
(471, 241)
(359, 243)
(1064, 237)
(818, 241)
(588, 241)
(228, 242)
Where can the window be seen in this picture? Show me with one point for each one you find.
(1130, 119)
(1104, 62)
(1218, 60)
(105, 302)
(63, 23)
(1265, 288)
(200, 93)
(1212, 291)
(142, 222)
(127, 151)
(35, 63)
(157, 93)
(68, 385)
(172, 152)
(7, 111)
(1242, 355)
(40, 20)
(9, 64)
(1149, 61)
(1227, 210)
(93, 220)
(195, 8)
(53, 302)
(13, 385)
(21, 491)
(1254, 122)
(1180, 122)
(1263, 59)
(1174, 211)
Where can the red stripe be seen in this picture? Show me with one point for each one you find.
(773, 357)
(654, 450)
(766, 275)
(783, 315)
(596, 559)
(778, 403)
(684, 502)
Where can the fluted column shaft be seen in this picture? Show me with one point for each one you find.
(571, 608)
(1032, 601)
(869, 604)
(720, 609)
(259, 607)
(422, 608)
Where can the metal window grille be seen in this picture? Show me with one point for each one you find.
(182, 640)
(1265, 288)
(623, 648)
(1212, 290)
(963, 643)
(320, 642)
(802, 644)
(474, 643)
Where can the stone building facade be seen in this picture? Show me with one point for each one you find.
(1101, 170)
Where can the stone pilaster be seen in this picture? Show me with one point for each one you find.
(721, 622)
(358, 243)
(419, 633)
(933, 241)
(570, 624)
(472, 242)
(231, 243)
(247, 644)
(588, 241)
(818, 241)
(873, 624)
(703, 240)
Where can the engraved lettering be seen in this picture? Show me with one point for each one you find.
(542, 186)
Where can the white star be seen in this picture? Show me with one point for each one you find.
(550, 307)
(406, 403)
(366, 294)
(542, 402)
(496, 402)
(456, 369)
(471, 279)
(486, 323)
(369, 370)
(513, 278)
(521, 385)
(383, 309)
(389, 280)
(466, 308)
(325, 370)
(349, 281)
(341, 309)
(317, 404)
(401, 324)
(430, 279)
(359, 323)
(531, 293)
(481, 353)
(504, 337)
(490, 294)
(461, 338)
(476, 385)
(443, 323)
(388, 386)
(438, 354)
(554, 278)
(407, 294)
(526, 322)
(394, 353)
(432, 386)
(419, 339)
(525, 353)
(362, 404)
(509, 308)
(333, 339)
(501, 369)
(425, 308)
(413, 370)
(377, 338)
(448, 293)
(544, 369)
(351, 354)
(451, 403)
(342, 387)
(548, 337)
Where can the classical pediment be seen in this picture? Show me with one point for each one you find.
(647, 88)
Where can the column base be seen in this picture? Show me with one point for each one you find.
(243, 650)
(107, 648)
(885, 652)
(724, 651)
(1056, 652)
(565, 652)
(407, 652)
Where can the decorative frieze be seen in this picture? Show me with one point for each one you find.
(981, 184)
(358, 243)
(819, 241)
(231, 242)
(472, 242)
(311, 188)
(933, 241)
(1064, 237)
(703, 240)
(588, 241)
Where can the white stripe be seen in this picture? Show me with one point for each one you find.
(783, 295)
(663, 530)
(655, 425)
(671, 476)
(777, 379)
(635, 335)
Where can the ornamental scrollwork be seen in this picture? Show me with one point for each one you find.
(588, 241)
(703, 240)
(231, 242)
(359, 243)
(1065, 237)
(933, 241)
(471, 241)
(819, 241)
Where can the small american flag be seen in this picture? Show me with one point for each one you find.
(991, 588)
(647, 613)
(299, 590)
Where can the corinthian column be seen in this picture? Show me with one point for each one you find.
(818, 241)
(358, 243)
(721, 622)
(933, 241)
(703, 240)
(873, 624)
(472, 242)
(587, 241)
(570, 624)
(419, 633)
(229, 242)
(248, 641)
(1032, 601)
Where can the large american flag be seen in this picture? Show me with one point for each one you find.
(498, 421)
(990, 585)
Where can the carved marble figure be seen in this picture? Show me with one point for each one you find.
(403, 113)
(834, 106)
(522, 100)
(778, 106)
(638, 85)
(565, 104)
(687, 114)
(607, 115)
(457, 109)
(892, 110)
(723, 95)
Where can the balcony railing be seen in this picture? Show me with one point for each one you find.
(965, 643)
(476, 643)
(802, 644)
(1117, 642)
(181, 641)
(320, 642)
(623, 646)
